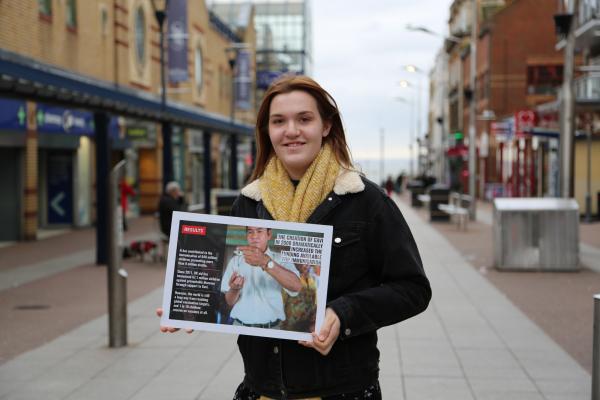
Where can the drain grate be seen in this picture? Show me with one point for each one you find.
(32, 307)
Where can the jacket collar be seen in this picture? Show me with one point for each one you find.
(348, 181)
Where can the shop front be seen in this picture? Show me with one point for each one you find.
(64, 166)
(12, 141)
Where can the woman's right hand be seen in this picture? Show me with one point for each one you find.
(159, 312)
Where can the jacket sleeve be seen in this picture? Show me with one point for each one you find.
(401, 289)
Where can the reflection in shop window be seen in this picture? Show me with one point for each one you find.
(544, 79)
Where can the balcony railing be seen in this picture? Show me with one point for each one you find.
(588, 10)
(588, 87)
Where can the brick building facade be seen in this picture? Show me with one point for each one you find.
(115, 42)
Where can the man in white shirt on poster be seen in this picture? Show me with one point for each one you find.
(253, 280)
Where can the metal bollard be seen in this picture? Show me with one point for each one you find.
(596, 354)
(117, 276)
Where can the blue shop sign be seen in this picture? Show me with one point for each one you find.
(62, 120)
(114, 130)
(13, 115)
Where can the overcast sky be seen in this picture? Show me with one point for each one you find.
(359, 51)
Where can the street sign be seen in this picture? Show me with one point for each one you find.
(59, 170)
(524, 121)
(56, 206)
(62, 120)
(13, 115)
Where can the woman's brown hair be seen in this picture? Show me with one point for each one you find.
(328, 110)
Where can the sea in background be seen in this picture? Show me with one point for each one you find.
(391, 167)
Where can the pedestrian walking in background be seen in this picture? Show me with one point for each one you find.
(304, 173)
(389, 185)
(126, 190)
(171, 200)
(400, 183)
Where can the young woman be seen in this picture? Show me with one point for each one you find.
(304, 173)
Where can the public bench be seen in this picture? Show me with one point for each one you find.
(458, 209)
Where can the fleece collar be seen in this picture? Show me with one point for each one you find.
(348, 181)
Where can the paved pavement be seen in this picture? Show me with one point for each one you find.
(471, 343)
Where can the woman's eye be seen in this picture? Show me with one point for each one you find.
(276, 121)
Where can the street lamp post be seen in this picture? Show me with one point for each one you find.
(381, 156)
(567, 107)
(428, 31)
(166, 127)
(231, 53)
(407, 84)
(410, 130)
(473, 111)
(416, 70)
(473, 99)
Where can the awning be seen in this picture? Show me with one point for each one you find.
(23, 77)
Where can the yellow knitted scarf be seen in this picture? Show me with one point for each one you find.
(286, 203)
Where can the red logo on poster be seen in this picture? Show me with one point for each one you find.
(193, 230)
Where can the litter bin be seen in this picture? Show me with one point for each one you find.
(222, 200)
(539, 234)
(438, 194)
(416, 188)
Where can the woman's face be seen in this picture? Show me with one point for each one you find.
(296, 130)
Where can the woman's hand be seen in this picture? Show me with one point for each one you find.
(159, 312)
(330, 330)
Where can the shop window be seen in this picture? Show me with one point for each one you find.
(103, 20)
(140, 37)
(45, 9)
(198, 72)
(71, 14)
(483, 86)
(544, 79)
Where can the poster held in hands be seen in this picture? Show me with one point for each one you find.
(241, 275)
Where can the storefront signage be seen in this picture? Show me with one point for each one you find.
(243, 81)
(503, 130)
(61, 120)
(264, 78)
(137, 132)
(59, 175)
(13, 115)
(178, 41)
(524, 121)
(195, 141)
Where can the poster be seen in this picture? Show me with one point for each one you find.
(246, 276)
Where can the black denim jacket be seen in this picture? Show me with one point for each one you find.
(376, 279)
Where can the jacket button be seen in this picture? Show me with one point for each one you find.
(347, 332)
(337, 240)
(276, 350)
(330, 198)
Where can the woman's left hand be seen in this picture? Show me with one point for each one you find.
(330, 330)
